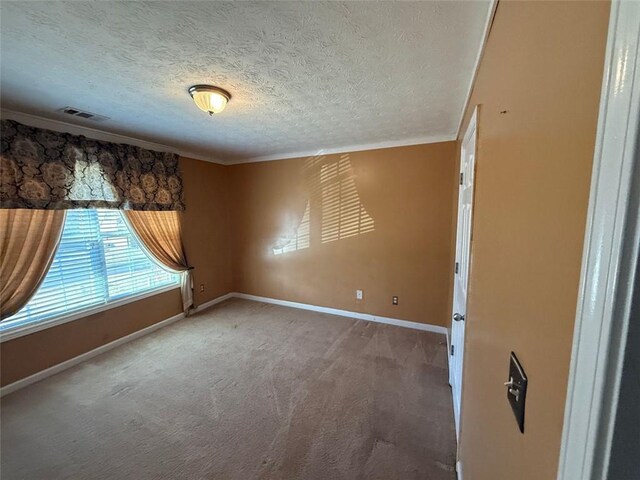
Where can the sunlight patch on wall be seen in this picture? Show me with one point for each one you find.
(334, 204)
(301, 238)
(343, 214)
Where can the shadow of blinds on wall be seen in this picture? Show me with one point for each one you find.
(333, 201)
(343, 214)
(302, 236)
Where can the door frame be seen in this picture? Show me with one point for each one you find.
(611, 252)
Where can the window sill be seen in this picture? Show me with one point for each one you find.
(21, 330)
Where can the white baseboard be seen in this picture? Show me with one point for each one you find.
(346, 313)
(41, 375)
(211, 303)
(36, 377)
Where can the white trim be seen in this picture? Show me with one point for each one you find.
(485, 36)
(213, 302)
(22, 330)
(90, 132)
(36, 377)
(459, 470)
(395, 143)
(449, 362)
(346, 313)
(611, 248)
(348, 149)
(41, 375)
(470, 133)
(96, 134)
(472, 129)
(61, 126)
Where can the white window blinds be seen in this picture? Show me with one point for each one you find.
(98, 261)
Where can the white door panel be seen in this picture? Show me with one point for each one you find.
(463, 257)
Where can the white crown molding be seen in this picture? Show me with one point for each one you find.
(96, 134)
(348, 149)
(60, 126)
(485, 36)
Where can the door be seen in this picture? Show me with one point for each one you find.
(462, 263)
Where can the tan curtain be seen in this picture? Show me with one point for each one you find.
(161, 234)
(28, 242)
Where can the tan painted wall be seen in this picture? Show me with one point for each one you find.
(407, 192)
(206, 240)
(205, 226)
(32, 353)
(543, 64)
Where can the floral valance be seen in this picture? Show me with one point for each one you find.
(49, 170)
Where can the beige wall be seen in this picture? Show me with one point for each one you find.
(403, 250)
(32, 353)
(205, 227)
(402, 247)
(543, 65)
(206, 240)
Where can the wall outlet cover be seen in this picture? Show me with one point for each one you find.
(359, 295)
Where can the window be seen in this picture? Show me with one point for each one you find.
(98, 261)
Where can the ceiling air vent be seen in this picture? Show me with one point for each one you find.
(76, 112)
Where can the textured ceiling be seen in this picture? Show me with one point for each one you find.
(303, 75)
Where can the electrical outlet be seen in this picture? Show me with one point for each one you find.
(202, 287)
(394, 300)
(359, 294)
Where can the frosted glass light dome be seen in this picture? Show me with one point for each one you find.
(209, 99)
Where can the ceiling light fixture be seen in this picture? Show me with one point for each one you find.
(209, 99)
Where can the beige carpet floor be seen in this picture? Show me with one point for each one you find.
(244, 390)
